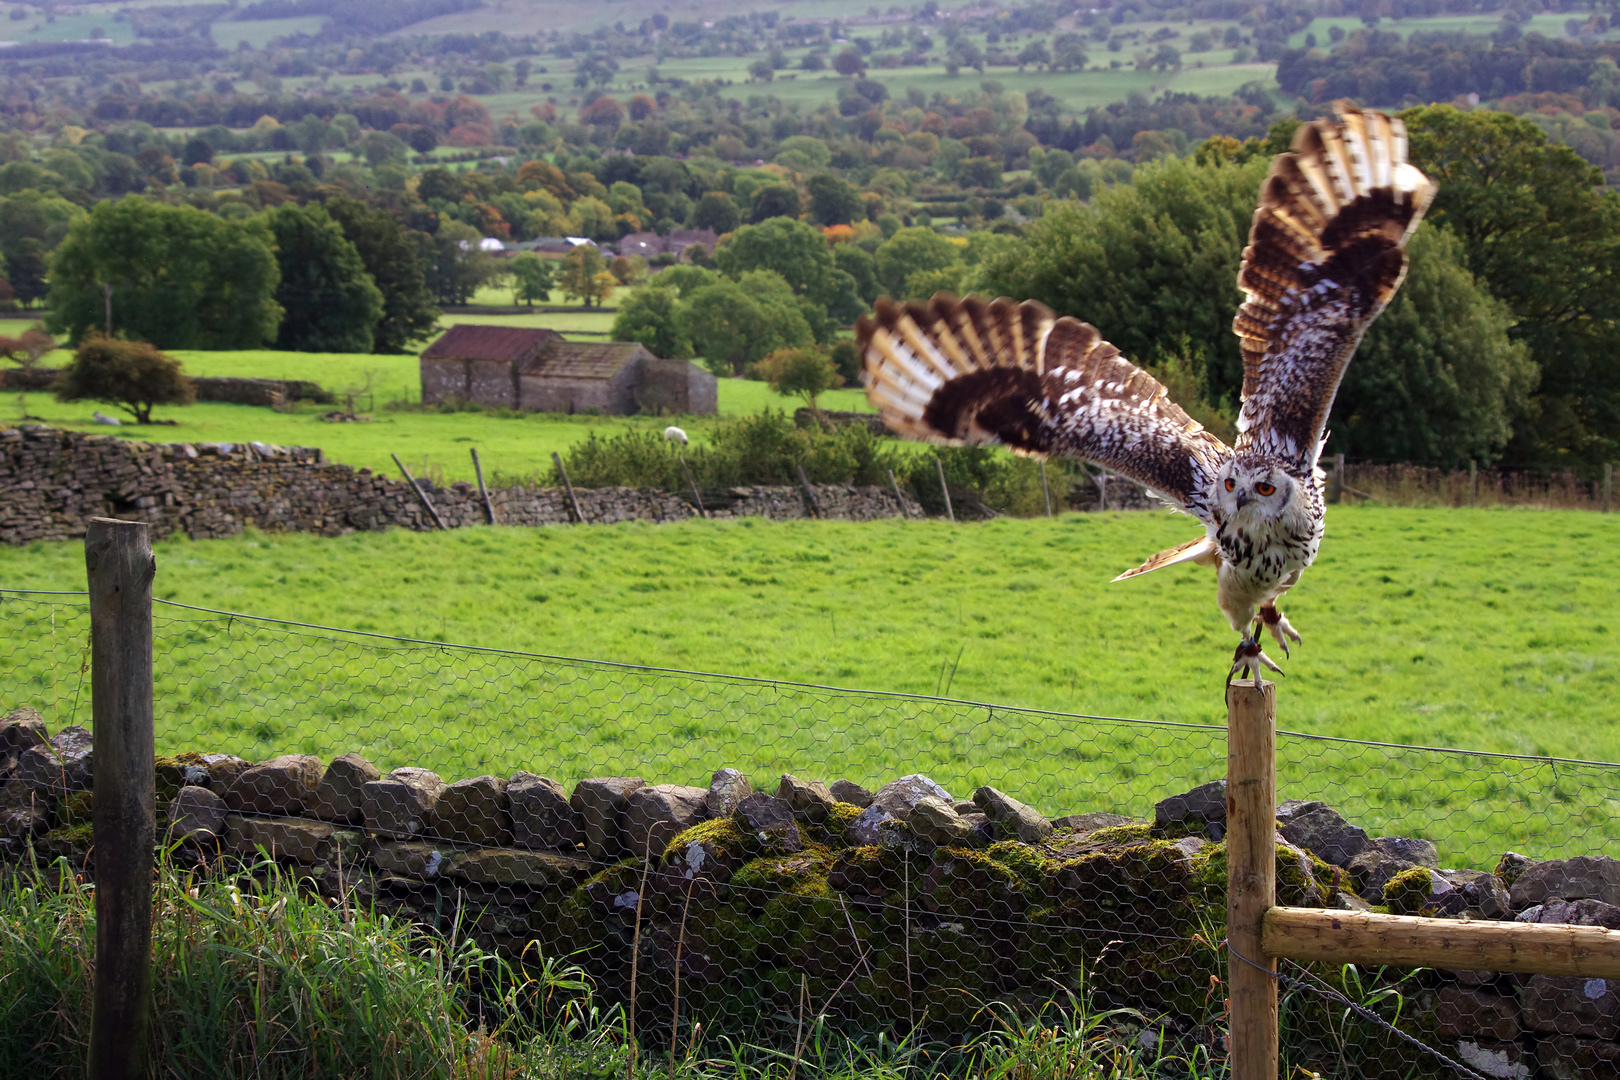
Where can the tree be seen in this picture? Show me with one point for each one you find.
(849, 62)
(774, 201)
(1153, 265)
(27, 268)
(459, 266)
(761, 70)
(1539, 230)
(910, 252)
(532, 278)
(331, 303)
(862, 269)
(26, 351)
(131, 375)
(800, 372)
(581, 270)
(181, 278)
(716, 210)
(651, 316)
(397, 262)
(833, 201)
(1438, 378)
(798, 252)
(732, 327)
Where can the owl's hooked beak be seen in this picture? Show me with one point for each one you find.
(1242, 499)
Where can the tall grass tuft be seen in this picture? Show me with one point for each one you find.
(264, 981)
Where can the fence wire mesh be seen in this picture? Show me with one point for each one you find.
(742, 853)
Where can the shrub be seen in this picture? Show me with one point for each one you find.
(804, 372)
(131, 375)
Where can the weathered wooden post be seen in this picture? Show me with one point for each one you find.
(1251, 876)
(946, 489)
(1608, 484)
(1046, 492)
(573, 503)
(120, 568)
(483, 492)
(1336, 492)
(1473, 483)
(421, 496)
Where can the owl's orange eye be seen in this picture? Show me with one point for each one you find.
(1264, 489)
(1230, 484)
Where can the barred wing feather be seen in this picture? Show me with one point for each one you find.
(1326, 254)
(996, 372)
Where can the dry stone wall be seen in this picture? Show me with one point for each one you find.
(905, 900)
(235, 391)
(52, 482)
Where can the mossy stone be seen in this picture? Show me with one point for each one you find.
(171, 773)
(1115, 834)
(75, 809)
(1408, 891)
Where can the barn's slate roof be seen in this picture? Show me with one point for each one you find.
(582, 359)
(471, 341)
(535, 351)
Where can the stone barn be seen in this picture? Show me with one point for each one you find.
(538, 371)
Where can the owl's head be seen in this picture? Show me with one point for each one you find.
(1253, 490)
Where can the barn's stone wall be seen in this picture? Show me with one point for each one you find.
(908, 899)
(52, 482)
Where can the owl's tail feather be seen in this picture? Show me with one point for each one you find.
(1202, 551)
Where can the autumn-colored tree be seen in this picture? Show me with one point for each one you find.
(26, 351)
(805, 372)
(131, 375)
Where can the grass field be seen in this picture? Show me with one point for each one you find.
(1482, 630)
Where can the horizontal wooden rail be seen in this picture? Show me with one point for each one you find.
(1364, 937)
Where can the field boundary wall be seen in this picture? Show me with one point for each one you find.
(53, 481)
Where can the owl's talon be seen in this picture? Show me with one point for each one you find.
(1250, 656)
(1280, 628)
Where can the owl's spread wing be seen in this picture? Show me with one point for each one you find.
(1326, 254)
(985, 373)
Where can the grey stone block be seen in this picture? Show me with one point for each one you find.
(195, 808)
(337, 796)
(474, 811)
(810, 799)
(1016, 820)
(655, 815)
(542, 819)
(400, 805)
(727, 788)
(601, 803)
(282, 786)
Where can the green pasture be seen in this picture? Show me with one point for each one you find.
(1485, 630)
(431, 443)
(260, 32)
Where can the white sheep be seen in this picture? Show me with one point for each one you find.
(675, 434)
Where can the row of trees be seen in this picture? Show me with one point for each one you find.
(339, 277)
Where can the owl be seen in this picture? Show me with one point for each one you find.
(1326, 253)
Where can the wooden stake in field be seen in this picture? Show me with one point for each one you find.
(894, 485)
(946, 489)
(1046, 492)
(1608, 484)
(119, 569)
(573, 503)
(1251, 876)
(421, 496)
(1336, 492)
(697, 500)
(809, 492)
(1473, 483)
(483, 492)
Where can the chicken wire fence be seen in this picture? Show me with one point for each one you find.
(736, 854)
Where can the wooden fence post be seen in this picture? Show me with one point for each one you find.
(1251, 876)
(943, 487)
(119, 570)
(809, 492)
(421, 496)
(483, 492)
(1336, 492)
(1046, 492)
(1608, 484)
(697, 499)
(556, 459)
(895, 486)
(1473, 483)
